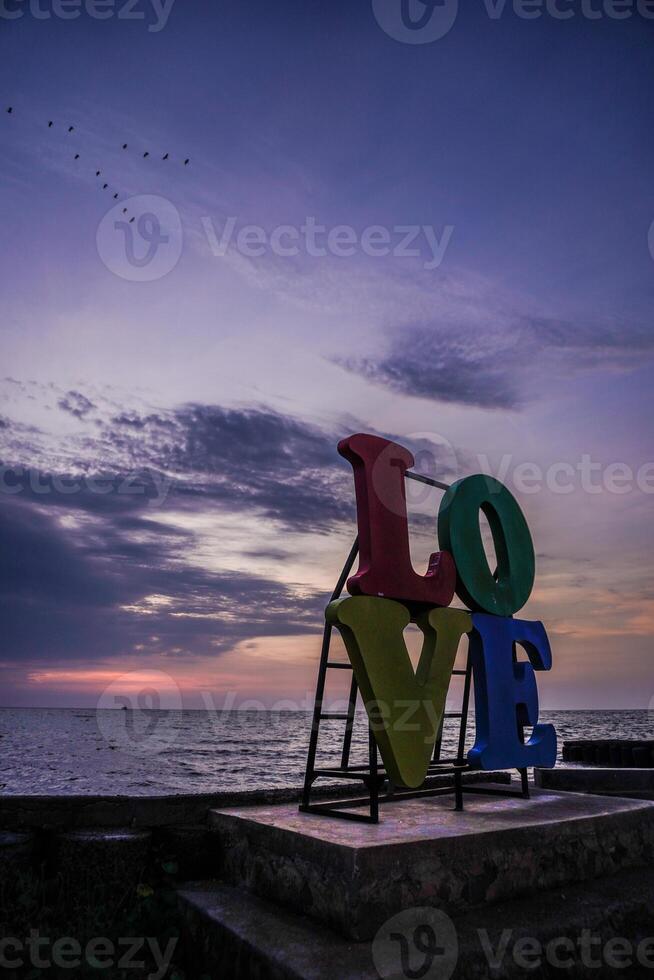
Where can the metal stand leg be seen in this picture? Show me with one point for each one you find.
(374, 778)
(349, 725)
(458, 790)
(524, 778)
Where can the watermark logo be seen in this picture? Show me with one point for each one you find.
(141, 239)
(419, 944)
(416, 21)
(133, 712)
(434, 458)
(422, 944)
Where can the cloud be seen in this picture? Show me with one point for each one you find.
(500, 365)
(76, 404)
(250, 459)
(95, 563)
(243, 459)
(426, 363)
(175, 533)
(98, 591)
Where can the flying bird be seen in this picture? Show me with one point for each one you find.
(104, 187)
(50, 124)
(165, 156)
(131, 220)
(186, 162)
(77, 156)
(115, 197)
(70, 129)
(124, 210)
(10, 109)
(124, 146)
(146, 154)
(97, 173)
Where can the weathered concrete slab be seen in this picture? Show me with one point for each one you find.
(354, 876)
(229, 932)
(633, 783)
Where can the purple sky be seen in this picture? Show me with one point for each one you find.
(171, 495)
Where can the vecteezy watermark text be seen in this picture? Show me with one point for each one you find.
(99, 953)
(585, 474)
(563, 952)
(342, 241)
(425, 21)
(567, 9)
(156, 12)
(149, 484)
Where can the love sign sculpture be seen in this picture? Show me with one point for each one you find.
(406, 707)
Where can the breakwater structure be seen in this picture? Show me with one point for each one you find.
(250, 887)
(609, 767)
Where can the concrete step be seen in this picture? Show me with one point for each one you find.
(636, 784)
(353, 877)
(233, 935)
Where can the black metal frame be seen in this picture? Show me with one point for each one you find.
(373, 775)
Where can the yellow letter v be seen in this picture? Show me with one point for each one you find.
(405, 708)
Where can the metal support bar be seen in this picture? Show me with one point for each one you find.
(374, 778)
(458, 790)
(351, 709)
(438, 743)
(426, 479)
(463, 731)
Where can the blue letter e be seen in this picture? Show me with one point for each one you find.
(506, 695)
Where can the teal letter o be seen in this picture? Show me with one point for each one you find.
(504, 592)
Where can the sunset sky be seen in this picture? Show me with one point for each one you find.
(172, 499)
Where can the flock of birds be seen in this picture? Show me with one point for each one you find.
(98, 172)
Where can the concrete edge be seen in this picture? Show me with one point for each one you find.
(58, 811)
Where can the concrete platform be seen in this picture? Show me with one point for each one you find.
(352, 877)
(231, 933)
(637, 784)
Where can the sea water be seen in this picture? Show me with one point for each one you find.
(86, 751)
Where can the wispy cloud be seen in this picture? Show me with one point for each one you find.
(499, 366)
